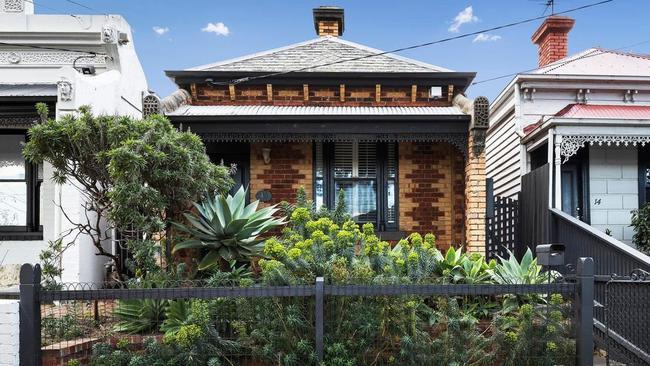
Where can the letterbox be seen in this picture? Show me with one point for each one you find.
(550, 254)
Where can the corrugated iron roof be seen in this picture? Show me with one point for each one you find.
(599, 61)
(333, 51)
(605, 111)
(257, 110)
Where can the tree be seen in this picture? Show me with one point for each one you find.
(135, 173)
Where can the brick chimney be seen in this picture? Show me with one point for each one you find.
(552, 38)
(328, 21)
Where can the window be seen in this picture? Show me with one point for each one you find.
(20, 184)
(367, 174)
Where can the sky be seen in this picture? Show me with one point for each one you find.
(173, 35)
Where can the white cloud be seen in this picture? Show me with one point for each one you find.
(484, 37)
(464, 17)
(160, 30)
(219, 29)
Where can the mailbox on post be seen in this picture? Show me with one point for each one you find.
(550, 254)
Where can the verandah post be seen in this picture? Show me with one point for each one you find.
(30, 315)
(585, 312)
(320, 292)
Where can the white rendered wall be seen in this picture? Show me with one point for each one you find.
(9, 332)
(614, 189)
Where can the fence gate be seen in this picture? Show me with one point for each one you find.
(501, 224)
(622, 323)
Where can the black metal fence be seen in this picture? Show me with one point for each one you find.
(502, 224)
(534, 203)
(310, 318)
(621, 323)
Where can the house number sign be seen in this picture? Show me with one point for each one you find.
(264, 195)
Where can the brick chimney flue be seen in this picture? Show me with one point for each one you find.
(329, 21)
(552, 39)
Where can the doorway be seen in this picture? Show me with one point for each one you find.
(575, 186)
(235, 154)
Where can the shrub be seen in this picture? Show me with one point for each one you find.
(137, 173)
(641, 225)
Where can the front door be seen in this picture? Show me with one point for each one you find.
(234, 154)
(575, 185)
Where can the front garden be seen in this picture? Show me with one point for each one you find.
(134, 176)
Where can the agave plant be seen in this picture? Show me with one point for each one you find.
(527, 271)
(227, 228)
(139, 316)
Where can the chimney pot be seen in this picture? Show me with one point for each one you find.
(329, 21)
(552, 38)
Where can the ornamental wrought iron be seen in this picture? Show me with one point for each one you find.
(460, 141)
(44, 57)
(572, 143)
(151, 105)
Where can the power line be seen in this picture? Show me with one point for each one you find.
(559, 64)
(420, 45)
(85, 6)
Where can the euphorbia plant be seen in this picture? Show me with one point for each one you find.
(227, 228)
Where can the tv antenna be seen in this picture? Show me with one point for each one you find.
(548, 4)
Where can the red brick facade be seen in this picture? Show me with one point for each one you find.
(305, 94)
(290, 168)
(431, 191)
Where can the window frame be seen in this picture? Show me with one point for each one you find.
(381, 182)
(32, 230)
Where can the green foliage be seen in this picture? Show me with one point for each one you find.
(57, 329)
(50, 260)
(511, 271)
(367, 330)
(139, 315)
(139, 174)
(641, 225)
(536, 335)
(227, 229)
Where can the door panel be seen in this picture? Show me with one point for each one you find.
(229, 154)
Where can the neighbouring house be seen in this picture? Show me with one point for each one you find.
(398, 136)
(65, 61)
(588, 117)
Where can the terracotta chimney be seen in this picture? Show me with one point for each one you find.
(552, 38)
(329, 21)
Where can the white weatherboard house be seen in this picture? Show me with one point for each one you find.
(588, 116)
(65, 61)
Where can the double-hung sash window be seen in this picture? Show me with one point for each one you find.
(367, 174)
(20, 184)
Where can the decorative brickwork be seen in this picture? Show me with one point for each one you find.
(318, 95)
(289, 169)
(475, 200)
(431, 191)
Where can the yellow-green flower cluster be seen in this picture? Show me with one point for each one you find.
(374, 246)
(273, 248)
(294, 253)
(186, 335)
(269, 265)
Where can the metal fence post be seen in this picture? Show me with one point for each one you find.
(30, 315)
(320, 292)
(585, 312)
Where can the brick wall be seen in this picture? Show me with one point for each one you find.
(475, 200)
(552, 38)
(9, 332)
(304, 94)
(289, 169)
(431, 188)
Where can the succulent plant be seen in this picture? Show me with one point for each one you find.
(227, 228)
